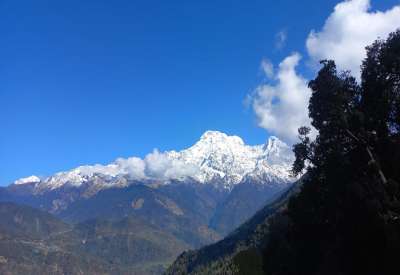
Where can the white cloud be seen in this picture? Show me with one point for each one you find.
(133, 166)
(348, 30)
(156, 165)
(280, 39)
(162, 166)
(282, 108)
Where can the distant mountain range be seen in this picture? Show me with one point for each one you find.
(216, 158)
(194, 197)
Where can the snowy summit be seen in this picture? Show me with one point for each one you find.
(215, 158)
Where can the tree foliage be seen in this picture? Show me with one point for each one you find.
(346, 219)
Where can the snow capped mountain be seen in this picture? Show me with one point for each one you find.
(215, 158)
(218, 155)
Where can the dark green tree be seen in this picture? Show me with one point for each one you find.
(346, 219)
(381, 86)
(302, 151)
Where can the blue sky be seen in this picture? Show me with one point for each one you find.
(85, 82)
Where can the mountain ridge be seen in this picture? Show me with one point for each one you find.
(215, 157)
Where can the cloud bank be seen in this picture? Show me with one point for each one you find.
(156, 165)
(162, 166)
(348, 30)
(282, 107)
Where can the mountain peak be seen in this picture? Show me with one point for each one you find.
(216, 158)
(217, 137)
(211, 134)
(273, 143)
(277, 151)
